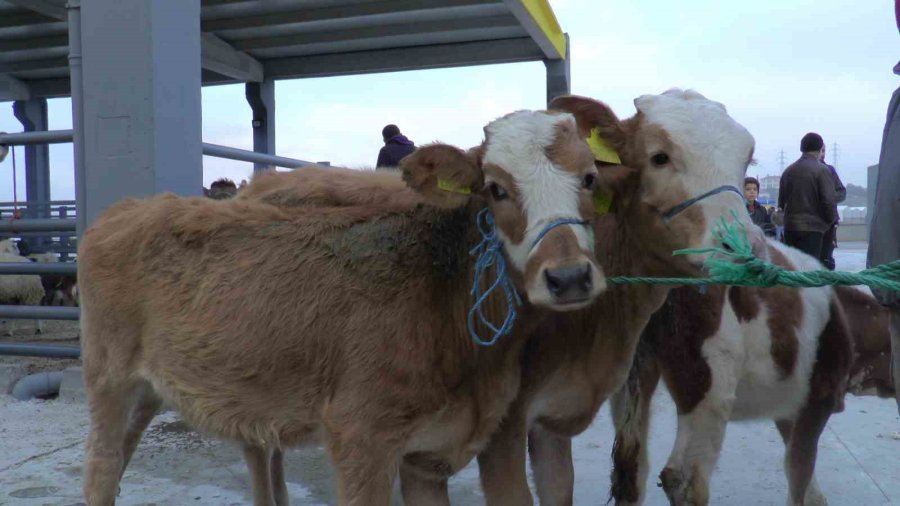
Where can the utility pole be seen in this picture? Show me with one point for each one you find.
(834, 154)
(781, 159)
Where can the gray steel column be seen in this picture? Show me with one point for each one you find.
(140, 101)
(33, 116)
(261, 97)
(559, 77)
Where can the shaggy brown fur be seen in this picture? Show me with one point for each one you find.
(263, 320)
(870, 326)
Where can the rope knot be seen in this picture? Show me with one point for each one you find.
(763, 273)
(489, 253)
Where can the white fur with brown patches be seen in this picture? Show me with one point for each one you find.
(547, 192)
(746, 383)
(762, 392)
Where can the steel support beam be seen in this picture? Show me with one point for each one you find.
(219, 57)
(140, 102)
(559, 77)
(261, 97)
(409, 58)
(13, 89)
(49, 9)
(33, 116)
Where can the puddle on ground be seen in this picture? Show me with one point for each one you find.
(34, 492)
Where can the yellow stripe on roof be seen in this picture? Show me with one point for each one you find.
(543, 15)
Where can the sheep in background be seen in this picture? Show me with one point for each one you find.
(21, 289)
(9, 246)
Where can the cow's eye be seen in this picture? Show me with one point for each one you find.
(589, 180)
(498, 192)
(659, 159)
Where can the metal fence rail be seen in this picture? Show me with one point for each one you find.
(252, 156)
(37, 137)
(64, 268)
(40, 350)
(38, 225)
(40, 312)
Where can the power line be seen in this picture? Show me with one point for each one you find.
(781, 160)
(834, 154)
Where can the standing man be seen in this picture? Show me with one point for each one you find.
(829, 242)
(396, 146)
(884, 229)
(807, 195)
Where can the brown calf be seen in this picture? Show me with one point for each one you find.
(669, 161)
(268, 323)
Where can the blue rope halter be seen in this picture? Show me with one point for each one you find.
(671, 213)
(490, 252)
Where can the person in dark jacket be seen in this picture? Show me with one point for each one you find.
(829, 242)
(806, 194)
(396, 146)
(884, 228)
(758, 213)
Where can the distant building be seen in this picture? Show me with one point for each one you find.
(768, 189)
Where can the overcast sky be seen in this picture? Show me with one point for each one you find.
(781, 67)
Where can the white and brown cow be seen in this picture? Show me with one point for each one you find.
(678, 152)
(737, 353)
(267, 323)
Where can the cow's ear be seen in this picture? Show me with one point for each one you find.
(596, 121)
(445, 175)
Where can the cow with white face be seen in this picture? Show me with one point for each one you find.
(535, 188)
(665, 178)
(689, 159)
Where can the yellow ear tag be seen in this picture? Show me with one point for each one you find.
(602, 201)
(448, 186)
(602, 151)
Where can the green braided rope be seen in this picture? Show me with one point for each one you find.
(740, 267)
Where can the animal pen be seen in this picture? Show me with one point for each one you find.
(134, 71)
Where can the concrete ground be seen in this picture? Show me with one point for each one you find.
(42, 444)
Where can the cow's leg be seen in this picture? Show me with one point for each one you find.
(364, 473)
(259, 464)
(142, 414)
(701, 431)
(814, 495)
(109, 402)
(366, 460)
(800, 456)
(631, 418)
(109, 352)
(419, 490)
(502, 464)
(551, 462)
(279, 485)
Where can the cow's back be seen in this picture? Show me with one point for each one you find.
(248, 317)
